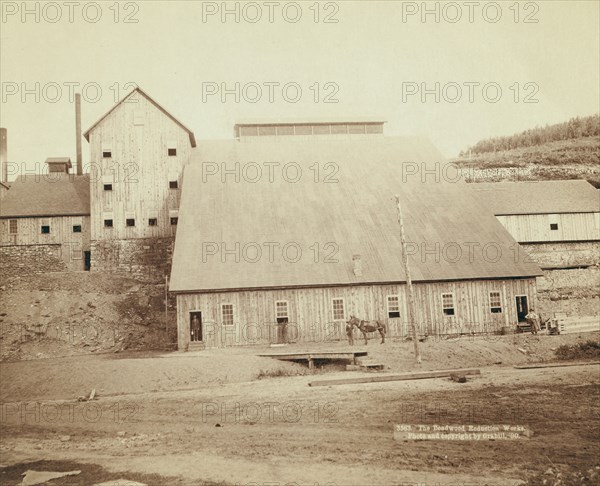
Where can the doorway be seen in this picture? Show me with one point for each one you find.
(282, 325)
(522, 307)
(196, 326)
(87, 260)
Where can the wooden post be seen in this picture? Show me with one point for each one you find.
(411, 299)
(166, 309)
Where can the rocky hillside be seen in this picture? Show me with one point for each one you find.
(64, 314)
(564, 159)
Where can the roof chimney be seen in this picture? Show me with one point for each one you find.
(357, 265)
(59, 164)
(3, 155)
(78, 132)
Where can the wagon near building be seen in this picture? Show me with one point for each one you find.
(283, 240)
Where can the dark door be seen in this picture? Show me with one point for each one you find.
(282, 324)
(522, 308)
(87, 260)
(195, 326)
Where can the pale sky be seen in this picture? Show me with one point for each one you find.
(374, 57)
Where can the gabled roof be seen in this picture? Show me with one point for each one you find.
(540, 197)
(143, 93)
(354, 213)
(47, 195)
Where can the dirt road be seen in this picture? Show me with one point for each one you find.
(280, 430)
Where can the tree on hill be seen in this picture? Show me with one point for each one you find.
(577, 127)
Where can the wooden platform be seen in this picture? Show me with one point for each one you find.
(321, 355)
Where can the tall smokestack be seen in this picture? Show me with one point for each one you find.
(78, 132)
(3, 155)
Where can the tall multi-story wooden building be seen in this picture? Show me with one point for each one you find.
(137, 152)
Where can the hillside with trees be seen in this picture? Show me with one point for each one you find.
(569, 150)
(575, 128)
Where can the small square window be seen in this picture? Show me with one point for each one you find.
(108, 223)
(172, 152)
(152, 222)
(174, 221)
(173, 185)
(76, 228)
(554, 226)
(106, 154)
(108, 187)
(45, 229)
(130, 222)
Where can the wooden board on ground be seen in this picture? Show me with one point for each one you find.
(421, 375)
(554, 365)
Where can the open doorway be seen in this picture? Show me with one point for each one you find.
(195, 326)
(87, 260)
(522, 307)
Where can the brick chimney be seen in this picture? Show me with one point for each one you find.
(357, 265)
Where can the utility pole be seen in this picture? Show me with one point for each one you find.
(166, 309)
(411, 298)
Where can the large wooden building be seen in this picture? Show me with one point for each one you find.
(45, 220)
(294, 237)
(137, 151)
(556, 222)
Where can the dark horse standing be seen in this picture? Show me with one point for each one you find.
(364, 327)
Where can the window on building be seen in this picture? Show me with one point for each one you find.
(448, 304)
(174, 221)
(45, 229)
(152, 222)
(554, 226)
(281, 311)
(108, 223)
(338, 310)
(12, 227)
(173, 184)
(108, 187)
(227, 314)
(130, 222)
(495, 303)
(393, 306)
(106, 153)
(172, 152)
(76, 228)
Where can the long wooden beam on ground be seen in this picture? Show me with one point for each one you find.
(421, 375)
(555, 365)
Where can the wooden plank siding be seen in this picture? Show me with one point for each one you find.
(310, 311)
(140, 166)
(61, 232)
(536, 227)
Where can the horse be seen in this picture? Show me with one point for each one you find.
(364, 327)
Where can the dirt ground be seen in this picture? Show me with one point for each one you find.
(206, 418)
